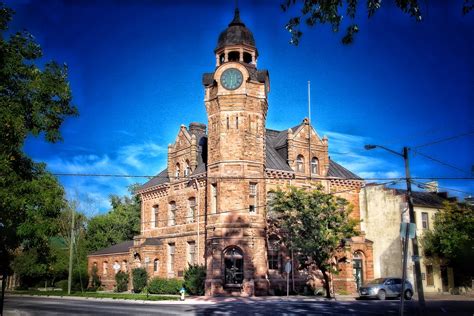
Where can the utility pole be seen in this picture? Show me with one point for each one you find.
(71, 243)
(411, 212)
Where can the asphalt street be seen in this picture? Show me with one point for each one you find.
(23, 305)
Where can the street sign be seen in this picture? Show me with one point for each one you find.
(288, 267)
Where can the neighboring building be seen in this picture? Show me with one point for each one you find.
(382, 210)
(209, 205)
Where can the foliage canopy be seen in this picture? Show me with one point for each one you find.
(313, 224)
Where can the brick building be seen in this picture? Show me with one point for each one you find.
(209, 205)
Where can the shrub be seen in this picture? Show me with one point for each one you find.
(80, 278)
(194, 278)
(164, 286)
(121, 278)
(95, 279)
(62, 284)
(140, 277)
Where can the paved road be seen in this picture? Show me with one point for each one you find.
(27, 306)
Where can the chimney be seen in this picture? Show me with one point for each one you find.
(197, 128)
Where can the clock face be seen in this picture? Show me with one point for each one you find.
(231, 79)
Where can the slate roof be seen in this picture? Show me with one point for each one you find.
(122, 247)
(338, 171)
(236, 33)
(276, 142)
(152, 242)
(426, 199)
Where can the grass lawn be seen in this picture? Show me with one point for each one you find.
(123, 296)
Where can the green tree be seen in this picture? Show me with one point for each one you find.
(313, 224)
(33, 101)
(332, 12)
(121, 223)
(451, 240)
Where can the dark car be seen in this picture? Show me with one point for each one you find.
(385, 287)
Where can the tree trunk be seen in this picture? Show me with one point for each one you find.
(326, 283)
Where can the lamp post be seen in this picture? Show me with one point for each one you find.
(411, 212)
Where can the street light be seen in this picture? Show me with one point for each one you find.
(419, 284)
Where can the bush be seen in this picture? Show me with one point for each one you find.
(80, 278)
(140, 277)
(121, 278)
(194, 278)
(95, 279)
(164, 286)
(62, 284)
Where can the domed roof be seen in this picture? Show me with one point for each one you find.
(235, 33)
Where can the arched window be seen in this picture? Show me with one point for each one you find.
(247, 58)
(314, 165)
(191, 210)
(124, 266)
(156, 265)
(358, 268)
(234, 56)
(300, 163)
(221, 58)
(172, 214)
(178, 170)
(105, 267)
(187, 169)
(234, 265)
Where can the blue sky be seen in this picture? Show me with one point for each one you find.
(136, 66)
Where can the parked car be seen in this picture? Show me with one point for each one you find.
(385, 287)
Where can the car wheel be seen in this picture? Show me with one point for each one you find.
(381, 295)
(408, 295)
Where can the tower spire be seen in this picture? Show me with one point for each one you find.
(236, 20)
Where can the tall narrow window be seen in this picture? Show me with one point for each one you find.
(177, 171)
(171, 249)
(314, 166)
(237, 122)
(154, 215)
(105, 268)
(156, 265)
(300, 163)
(191, 252)
(270, 211)
(124, 266)
(228, 123)
(187, 169)
(424, 220)
(191, 210)
(429, 275)
(252, 197)
(214, 198)
(172, 214)
(273, 253)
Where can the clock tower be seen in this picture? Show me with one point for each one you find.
(236, 105)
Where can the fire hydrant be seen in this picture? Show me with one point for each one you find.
(182, 291)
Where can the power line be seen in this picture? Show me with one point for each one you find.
(444, 139)
(262, 178)
(441, 162)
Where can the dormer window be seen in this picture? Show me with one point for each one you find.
(177, 171)
(300, 163)
(315, 165)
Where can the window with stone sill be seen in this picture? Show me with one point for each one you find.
(424, 220)
(191, 210)
(105, 268)
(154, 215)
(273, 254)
(191, 252)
(214, 198)
(314, 166)
(300, 163)
(172, 214)
(177, 171)
(187, 169)
(156, 265)
(171, 253)
(252, 197)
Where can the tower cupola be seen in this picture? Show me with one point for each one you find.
(236, 43)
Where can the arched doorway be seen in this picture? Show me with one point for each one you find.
(234, 266)
(357, 268)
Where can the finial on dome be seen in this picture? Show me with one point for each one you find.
(236, 20)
